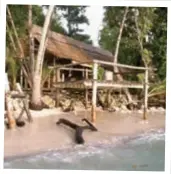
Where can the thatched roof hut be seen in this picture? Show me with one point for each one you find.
(65, 47)
(61, 46)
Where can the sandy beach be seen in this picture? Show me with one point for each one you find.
(43, 134)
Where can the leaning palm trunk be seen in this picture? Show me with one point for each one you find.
(36, 102)
(119, 76)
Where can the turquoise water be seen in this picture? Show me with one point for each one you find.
(145, 152)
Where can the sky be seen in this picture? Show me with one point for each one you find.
(95, 16)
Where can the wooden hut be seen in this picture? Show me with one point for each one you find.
(66, 54)
(62, 50)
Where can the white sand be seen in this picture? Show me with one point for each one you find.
(44, 134)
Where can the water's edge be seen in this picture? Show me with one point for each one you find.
(112, 141)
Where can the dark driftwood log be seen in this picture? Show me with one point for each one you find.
(78, 129)
(18, 96)
(91, 126)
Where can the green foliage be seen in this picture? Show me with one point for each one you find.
(13, 67)
(20, 17)
(147, 56)
(100, 73)
(140, 77)
(159, 43)
(129, 48)
(158, 88)
(152, 24)
(75, 16)
(45, 70)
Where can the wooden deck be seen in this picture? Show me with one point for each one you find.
(83, 84)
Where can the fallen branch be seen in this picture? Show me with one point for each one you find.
(78, 129)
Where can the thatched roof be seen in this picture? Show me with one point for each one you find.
(65, 47)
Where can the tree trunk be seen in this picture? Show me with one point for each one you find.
(15, 32)
(11, 38)
(26, 73)
(31, 42)
(140, 40)
(36, 102)
(115, 60)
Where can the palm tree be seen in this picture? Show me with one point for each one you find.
(36, 102)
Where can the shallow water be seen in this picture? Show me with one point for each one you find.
(145, 152)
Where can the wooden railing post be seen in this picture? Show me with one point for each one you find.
(57, 89)
(9, 106)
(86, 90)
(145, 95)
(94, 94)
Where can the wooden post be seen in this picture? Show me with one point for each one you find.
(145, 95)
(25, 103)
(54, 70)
(83, 73)
(25, 83)
(11, 120)
(57, 89)
(63, 77)
(86, 90)
(32, 56)
(94, 95)
(49, 82)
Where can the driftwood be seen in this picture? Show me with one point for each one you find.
(9, 115)
(78, 129)
(12, 122)
(25, 105)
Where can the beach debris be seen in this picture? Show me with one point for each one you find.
(9, 113)
(78, 129)
(160, 109)
(153, 109)
(124, 108)
(48, 101)
(16, 103)
(12, 120)
(67, 105)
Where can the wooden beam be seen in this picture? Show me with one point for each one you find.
(120, 65)
(94, 95)
(88, 84)
(75, 69)
(145, 95)
(70, 64)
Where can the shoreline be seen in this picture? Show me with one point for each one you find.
(43, 134)
(106, 142)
